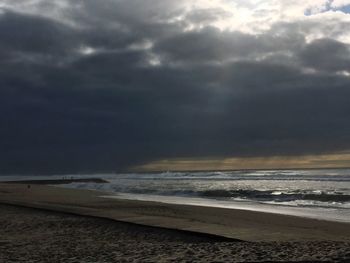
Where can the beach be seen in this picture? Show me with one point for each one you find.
(68, 225)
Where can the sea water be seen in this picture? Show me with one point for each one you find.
(321, 194)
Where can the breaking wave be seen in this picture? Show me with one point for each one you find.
(275, 195)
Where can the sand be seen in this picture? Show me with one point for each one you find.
(59, 181)
(29, 235)
(32, 235)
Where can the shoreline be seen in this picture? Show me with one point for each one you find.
(301, 212)
(229, 223)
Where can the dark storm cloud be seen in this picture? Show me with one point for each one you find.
(327, 54)
(213, 45)
(90, 95)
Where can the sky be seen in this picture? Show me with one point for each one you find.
(114, 85)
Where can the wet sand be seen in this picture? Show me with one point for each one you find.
(121, 231)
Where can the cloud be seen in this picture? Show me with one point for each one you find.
(328, 55)
(87, 86)
(340, 3)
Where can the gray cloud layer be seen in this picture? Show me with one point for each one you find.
(108, 86)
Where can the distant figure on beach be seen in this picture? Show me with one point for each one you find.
(28, 186)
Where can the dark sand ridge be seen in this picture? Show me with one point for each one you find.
(232, 223)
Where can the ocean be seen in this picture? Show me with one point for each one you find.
(321, 194)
